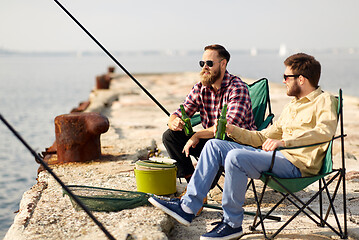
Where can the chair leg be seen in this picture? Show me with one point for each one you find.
(306, 205)
(249, 184)
(333, 208)
(268, 216)
(345, 236)
(343, 165)
(321, 206)
(333, 198)
(219, 186)
(302, 207)
(258, 208)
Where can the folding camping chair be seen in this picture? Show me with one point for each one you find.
(259, 94)
(263, 116)
(287, 188)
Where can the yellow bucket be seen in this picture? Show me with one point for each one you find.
(159, 179)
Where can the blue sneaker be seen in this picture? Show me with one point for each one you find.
(223, 231)
(173, 208)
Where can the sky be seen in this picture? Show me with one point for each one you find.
(136, 25)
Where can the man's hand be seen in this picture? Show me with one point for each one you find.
(271, 144)
(175, 123)
(192, 142)
(229, 128)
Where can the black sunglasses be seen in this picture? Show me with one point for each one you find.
(208, 62)
(288, 76)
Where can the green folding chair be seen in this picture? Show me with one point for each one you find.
(259, 94)
(288, 186)
(261, 107)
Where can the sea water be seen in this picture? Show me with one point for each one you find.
(35, 88)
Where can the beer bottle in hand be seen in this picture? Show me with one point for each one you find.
(187, 121)
(222, 122)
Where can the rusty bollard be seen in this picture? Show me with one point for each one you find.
(78, 136)
(102, 82)
(111, 69)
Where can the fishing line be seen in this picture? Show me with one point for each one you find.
(113, 58)
(40, 160)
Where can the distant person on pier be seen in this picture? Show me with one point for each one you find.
(216, 88)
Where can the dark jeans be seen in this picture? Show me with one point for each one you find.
(174, 142)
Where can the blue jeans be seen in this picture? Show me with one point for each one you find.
(240, 163)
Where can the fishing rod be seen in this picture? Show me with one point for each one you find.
(112, 57)
(41, 161)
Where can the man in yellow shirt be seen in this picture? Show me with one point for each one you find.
(309, 118)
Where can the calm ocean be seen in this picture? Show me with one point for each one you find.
(34, 89)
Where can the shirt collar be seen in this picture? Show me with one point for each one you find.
(311, 96)
(226, 79)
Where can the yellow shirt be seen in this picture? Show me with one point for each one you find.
(309, 120)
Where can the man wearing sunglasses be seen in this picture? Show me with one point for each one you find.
(216, 88)
(309, 118)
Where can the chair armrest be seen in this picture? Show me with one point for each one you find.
(296, 147)
(311, 145)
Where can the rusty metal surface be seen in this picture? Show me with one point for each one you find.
(78, 136)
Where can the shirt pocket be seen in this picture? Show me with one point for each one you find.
(305, 119)
(301, 122)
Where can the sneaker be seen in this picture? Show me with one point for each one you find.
(223, 231)
(205, 201)
(173, 208)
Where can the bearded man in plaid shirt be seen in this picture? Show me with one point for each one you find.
(216, 88)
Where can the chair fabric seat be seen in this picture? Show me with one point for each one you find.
(297, 184)
(292, 184)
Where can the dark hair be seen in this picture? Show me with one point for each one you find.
(222, 52)
(305, 65)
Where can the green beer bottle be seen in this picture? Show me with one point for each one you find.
(187, 122)
(222, 122)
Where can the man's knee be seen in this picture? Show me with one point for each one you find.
(170, 135)
(212, 144)
(244, 161)
(237, 158)
(231, 157)
(167, 135)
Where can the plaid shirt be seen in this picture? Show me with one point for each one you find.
(233, 92)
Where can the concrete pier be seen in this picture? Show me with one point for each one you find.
(136, 127)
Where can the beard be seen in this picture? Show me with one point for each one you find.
(294, 89)
(210, 78)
